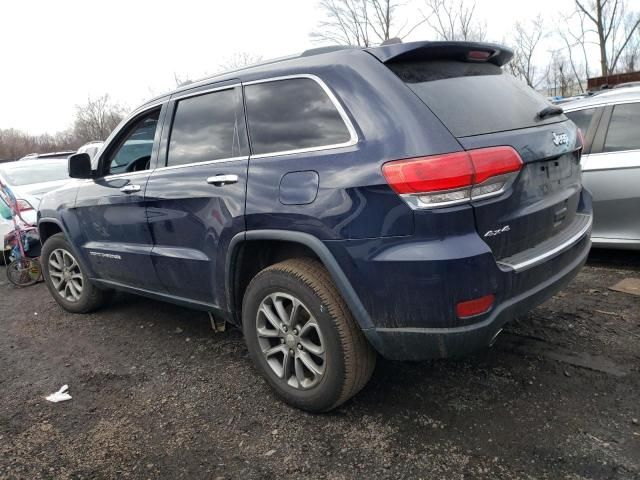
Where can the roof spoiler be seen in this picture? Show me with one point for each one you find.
(402, 52)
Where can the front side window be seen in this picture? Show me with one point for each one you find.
(582, 118)
(292, 114)
(208, 127)
(134, 151)
(624, 128)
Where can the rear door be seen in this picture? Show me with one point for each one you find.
(612, 174)
(110, 207)
(483, 106)
(196, 198)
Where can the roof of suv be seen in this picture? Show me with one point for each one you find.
(621, 95)
(497, 54)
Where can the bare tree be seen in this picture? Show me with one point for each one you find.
(526, 39)
(16, 143)
(559, 80)
(607, 19)
(455, 20)
(575, 38)
(240, 60)
(97, 118)
(181, 81)
(630, 58)
(362, 22)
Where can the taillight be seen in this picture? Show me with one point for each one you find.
(441, 180)
(478, 55)
(23, 205)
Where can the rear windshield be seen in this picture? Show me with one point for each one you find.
(473, 98)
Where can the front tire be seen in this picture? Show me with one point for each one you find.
(66, 280)
(303, 338)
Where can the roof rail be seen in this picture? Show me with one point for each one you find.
(328, 49)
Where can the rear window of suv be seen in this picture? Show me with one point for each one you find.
(473, 98)
(292, 114)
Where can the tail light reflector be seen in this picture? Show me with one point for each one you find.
(23, 205)
(477, 306)
(441, 180)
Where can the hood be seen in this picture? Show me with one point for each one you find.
(37, 190)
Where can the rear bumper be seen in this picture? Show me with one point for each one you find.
(416, 343)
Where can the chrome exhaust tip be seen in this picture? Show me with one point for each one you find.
(494, 338)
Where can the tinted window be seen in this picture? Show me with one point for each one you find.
(208, 127)
(582, 118)
(134, 152)
(473, 98)
(292, 114)
(624, 128)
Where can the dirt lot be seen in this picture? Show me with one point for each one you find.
(157, 395)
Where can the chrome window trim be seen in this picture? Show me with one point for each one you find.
(598, 105)
(117, 175)
(206, 162)
(353, 135)
(615, 152)
(205, 91)
(126, 174)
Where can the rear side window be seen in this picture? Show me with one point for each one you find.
(582, 118)
(208, 127)
(624, 128)
(473, 98)
(292, 114)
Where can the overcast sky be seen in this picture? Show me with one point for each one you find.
(57, 53)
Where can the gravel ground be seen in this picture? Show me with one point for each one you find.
(156, 394)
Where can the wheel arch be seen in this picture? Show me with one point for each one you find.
(296, 244)
(48, 227)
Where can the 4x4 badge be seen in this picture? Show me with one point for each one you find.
(560, 139)
(493, 233)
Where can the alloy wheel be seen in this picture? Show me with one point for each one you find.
(65, 275)
(291, 340)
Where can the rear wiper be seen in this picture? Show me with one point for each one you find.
(549, 111)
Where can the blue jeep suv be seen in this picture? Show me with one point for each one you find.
(405, 200)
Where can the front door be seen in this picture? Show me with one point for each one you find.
(196, 201)
(110, 207)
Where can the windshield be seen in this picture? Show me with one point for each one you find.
(36, 171)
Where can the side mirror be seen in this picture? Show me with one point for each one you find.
(80, 165)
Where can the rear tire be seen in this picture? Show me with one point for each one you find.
(66, 280)
(302, 337)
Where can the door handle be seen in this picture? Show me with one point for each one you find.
(221, 180)
(130, 188)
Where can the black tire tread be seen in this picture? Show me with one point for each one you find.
(359, 356)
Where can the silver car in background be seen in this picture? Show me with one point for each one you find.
(610, 123)
(31, 179)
